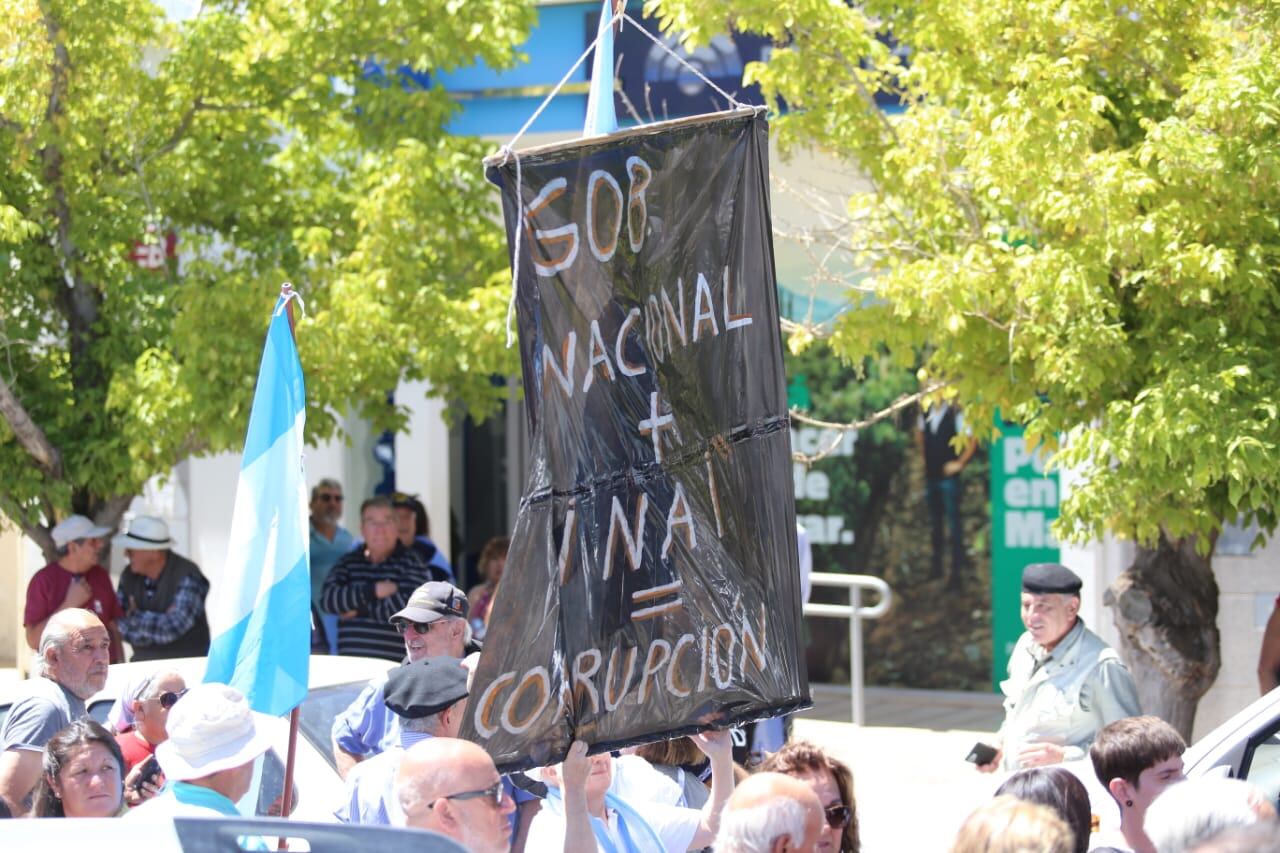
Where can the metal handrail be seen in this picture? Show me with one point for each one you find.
(855, 613)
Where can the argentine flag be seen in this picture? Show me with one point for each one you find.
(601, 117)
(260, 611)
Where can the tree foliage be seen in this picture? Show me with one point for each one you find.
(1074, 219)
(278, 140)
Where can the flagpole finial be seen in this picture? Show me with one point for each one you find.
(288, 296)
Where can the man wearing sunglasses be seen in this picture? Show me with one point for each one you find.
(428, 696)
(433, 624)
(330, 541)
(451, 787)
(149, 704)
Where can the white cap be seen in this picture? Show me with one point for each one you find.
(75, 527)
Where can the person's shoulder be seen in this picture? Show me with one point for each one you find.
(44, 576)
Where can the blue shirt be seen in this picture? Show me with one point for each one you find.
(368, 726)
(182, 799)
(324, 553)
(371, 785)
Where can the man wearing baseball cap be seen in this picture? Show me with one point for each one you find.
(433, 623)
(74, 580)
(162, 594)
(214, 739)
(1064, 682)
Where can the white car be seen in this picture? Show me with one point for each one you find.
(334, 683)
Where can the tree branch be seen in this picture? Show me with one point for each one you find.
(29, 434)
(885, 413)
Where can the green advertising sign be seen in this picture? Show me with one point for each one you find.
(1024, 501)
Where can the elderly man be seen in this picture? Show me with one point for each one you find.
(368, 586)
(74, 654)
(580, 815)
(433, 623)
(208, 759)
(451, 787)
(1064, 682)
(771, 813)
(1135, 759)
(162, 594)
(73, 580)
(330, 542)
(429, 697)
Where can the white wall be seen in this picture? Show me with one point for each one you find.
(422, 457)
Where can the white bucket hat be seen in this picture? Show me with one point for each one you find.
(146, 533)
(211, 729)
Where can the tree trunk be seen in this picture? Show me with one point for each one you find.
(1166, 610)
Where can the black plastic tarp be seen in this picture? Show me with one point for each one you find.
(652, 586)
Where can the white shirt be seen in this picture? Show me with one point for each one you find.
(674, 826)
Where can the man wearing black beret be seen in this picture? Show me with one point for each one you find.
(1064, 682)
(429, 697)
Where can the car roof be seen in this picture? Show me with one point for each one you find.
(214, 835)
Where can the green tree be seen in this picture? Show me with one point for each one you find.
(264, 137)
(1075, 215)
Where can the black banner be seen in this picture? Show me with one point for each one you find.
(652, 587)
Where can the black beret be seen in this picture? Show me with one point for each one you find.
(1042, 578)
(425, 687)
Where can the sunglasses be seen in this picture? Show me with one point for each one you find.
(838, 817)
(168, 698)
(419, 628)
(329, 498)
(493, 793)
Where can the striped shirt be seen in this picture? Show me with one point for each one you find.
(349, 586)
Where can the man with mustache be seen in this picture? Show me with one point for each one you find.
(75, 651)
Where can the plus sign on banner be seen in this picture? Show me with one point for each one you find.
(652, 587)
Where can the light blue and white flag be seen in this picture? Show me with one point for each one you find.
(260, 609)
(601, 117)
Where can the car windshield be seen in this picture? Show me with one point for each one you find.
(320, 708)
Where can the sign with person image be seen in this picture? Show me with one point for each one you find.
(652, 586)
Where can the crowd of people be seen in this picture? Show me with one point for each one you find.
(170, 749)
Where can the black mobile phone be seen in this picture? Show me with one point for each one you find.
(150, 770)
(981, 754)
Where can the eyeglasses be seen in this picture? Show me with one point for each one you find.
(838, 817)
(494, 793)
(328, 498)
(168, 698)
(418, 627)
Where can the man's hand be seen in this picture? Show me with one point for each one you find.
(578, 837)
(384, 589)
(78, 593)
(993, 765)
(953, 467)
(1040, 755)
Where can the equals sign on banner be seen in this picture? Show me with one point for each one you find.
(650, 601)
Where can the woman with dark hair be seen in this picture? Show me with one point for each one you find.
(1061, 791)
(832, 781)
(82, 775)
(413, 529)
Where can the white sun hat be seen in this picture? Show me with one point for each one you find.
(211, 728)
(146, 533)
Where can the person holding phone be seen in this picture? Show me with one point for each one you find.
(1064, 682)
(149, 703)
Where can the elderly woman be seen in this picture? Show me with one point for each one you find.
(82, 774)
(492, 562)
(832, 781)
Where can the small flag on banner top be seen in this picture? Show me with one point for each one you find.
(601, 116)
(260, 611)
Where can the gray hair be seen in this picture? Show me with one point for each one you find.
(326, 483)
(754, 830)
(56, 635)
(1190, 812)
